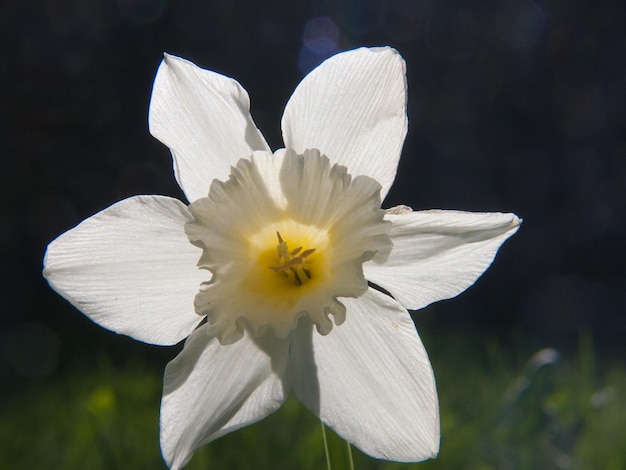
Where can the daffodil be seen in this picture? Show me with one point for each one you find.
(274, 270)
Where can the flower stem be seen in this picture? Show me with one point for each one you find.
(325, 445)
(350, 455)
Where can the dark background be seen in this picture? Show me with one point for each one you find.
(513, 106)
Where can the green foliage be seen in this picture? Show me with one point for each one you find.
(501, 408)
(86, 419)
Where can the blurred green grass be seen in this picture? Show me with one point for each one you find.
(502, 407)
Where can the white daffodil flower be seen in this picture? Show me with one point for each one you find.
(267, 269)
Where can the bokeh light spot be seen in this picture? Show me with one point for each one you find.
(320, 39)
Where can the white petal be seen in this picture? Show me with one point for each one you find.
(438, 254)
(204, 118)
(211, 390)
(353, 109)
(131, 269)
(370, 380)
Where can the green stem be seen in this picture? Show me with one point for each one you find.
(350, 456)
(325, 446)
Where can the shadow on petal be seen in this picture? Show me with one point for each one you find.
(302, 366)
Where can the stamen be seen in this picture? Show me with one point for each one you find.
(294, 266)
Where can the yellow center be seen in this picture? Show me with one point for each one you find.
(294, 266)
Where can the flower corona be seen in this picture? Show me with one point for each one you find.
(332, 224)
